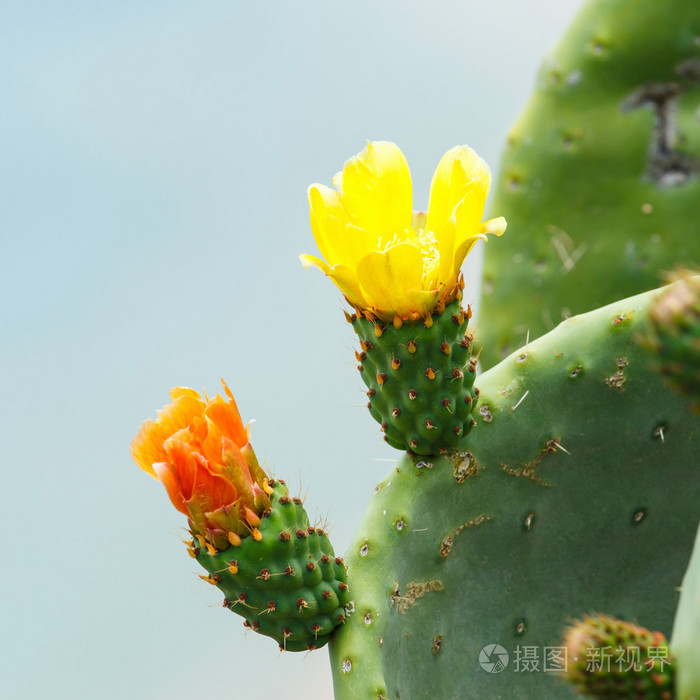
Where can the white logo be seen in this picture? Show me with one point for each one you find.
(493, 658)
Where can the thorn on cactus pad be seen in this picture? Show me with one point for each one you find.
(639, 515)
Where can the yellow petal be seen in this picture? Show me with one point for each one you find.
(461, 252)
(312, 261)
(459, 170)
(466, 243)
(346, 280)
(376, 190)
(496, 226)
(338, 239)
(344, 277)
(392, 282)
(463, 224)
(328, 218)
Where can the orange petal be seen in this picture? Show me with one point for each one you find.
(165, 475)
(224, 414)
(147, 447)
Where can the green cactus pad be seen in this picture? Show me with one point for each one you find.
(599, 179)
(289, 585)
(614, 660)
(578, 490)
(419, 379)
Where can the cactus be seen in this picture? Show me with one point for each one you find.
(675, 336)
(612, 659)
(255, 541)
(287, 584)
(507, 518)
(685, 641)
(555, 504)
(599, 178)
(420, 379)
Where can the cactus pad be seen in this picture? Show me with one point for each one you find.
(685, 642)
(599, 179)
(555, 504)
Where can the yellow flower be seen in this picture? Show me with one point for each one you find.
(386, 259)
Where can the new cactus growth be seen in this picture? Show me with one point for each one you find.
(287, 583)
(616, 660)
(674, 337)
(419, 379)
(254, 540)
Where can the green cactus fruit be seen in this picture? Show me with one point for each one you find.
(599, 178)
(616, 660)
(420, 379)
(288, 584)
(556, 503)
(685, 642)
(675, 336)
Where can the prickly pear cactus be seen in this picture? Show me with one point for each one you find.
(599, 181)
(554, 505)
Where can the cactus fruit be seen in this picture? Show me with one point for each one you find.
(554, 504)
(254, 540)
(685, 642)
(287, 583)
(419, 378)
(599, 179)
(616, 660)
(675, 336)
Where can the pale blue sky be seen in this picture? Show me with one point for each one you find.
(154, 164)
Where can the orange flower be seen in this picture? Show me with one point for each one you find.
(200, 451)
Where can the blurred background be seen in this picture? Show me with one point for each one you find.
(154, 164)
